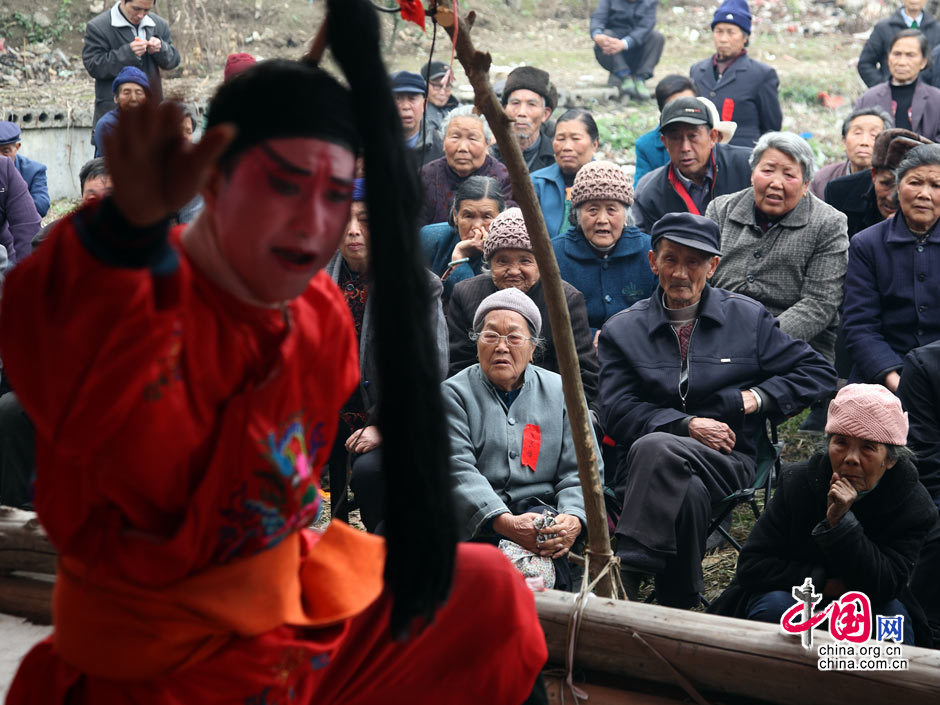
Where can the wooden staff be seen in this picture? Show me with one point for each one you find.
(477, 65)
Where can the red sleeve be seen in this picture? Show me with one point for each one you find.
(79, 337)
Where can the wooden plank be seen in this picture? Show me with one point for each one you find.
(724, 655)
(27, 597)
(601, 695)
(24, 545)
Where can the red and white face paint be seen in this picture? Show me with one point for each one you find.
(279, 217)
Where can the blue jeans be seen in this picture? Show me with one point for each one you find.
(770, 606)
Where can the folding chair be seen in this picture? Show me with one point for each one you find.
(769, 449)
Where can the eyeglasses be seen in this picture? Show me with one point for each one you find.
(489, 337)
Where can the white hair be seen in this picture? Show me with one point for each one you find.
(465, 111)
(792, 145)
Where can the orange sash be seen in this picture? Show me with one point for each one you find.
(114, 629)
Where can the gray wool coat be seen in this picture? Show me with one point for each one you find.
(367, 367)
(486, 446)
(796, 269)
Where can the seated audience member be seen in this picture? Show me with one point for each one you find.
(188, 213)
(529, 98)
(33, 173)
(649, 148)
(743, 90)
(601, 256)
(913, 103)
(500, 483)
(919, 392)
(783, 246)
(698, 170)
(892, 301)
(852, 517)
(17, 454)
(508, 253)
(574, 145)
(358, 435)
(466, 136)
(19, 220)
(859, 131)
(130, 88)
(454, 250)
(94, 183)
(873, 61)
(869, 197)
(440, 79)
(689, 425)
(420, 147)
(626, 44)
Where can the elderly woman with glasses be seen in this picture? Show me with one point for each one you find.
(512, 457)
(783, 246)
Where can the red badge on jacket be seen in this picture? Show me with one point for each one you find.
(727, 109)
(531, 440)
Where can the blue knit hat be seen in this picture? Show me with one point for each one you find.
(734, 12)
(131, 74)
(359, 190)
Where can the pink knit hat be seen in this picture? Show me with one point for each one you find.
(507, 232)
(868, 411)
(601, 181)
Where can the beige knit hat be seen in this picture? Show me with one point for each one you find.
(868, 411)
(507, 232)
(601, 181)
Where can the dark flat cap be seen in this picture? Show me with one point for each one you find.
(433, 69)
(695, 231)
(9, 132)
(408, 82)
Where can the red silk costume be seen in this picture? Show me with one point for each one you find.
(180, 436)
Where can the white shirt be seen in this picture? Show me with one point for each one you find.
(908, 19)
(119, 20)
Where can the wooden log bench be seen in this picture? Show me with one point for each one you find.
(719, 655)
(27, 567)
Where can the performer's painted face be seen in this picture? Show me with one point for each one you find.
(280, 214)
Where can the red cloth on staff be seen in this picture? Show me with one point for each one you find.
(180, 435)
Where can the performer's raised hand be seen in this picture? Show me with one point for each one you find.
(155, 170)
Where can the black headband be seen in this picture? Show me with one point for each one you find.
(281, 98)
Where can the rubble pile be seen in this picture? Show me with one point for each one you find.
(36, 63)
